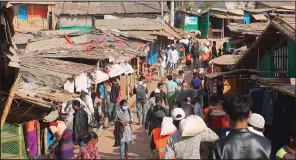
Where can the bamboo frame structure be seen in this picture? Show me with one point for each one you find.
(9, 101)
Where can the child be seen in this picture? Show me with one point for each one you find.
(97, 101)
(188, 60)
(148, 74)
(90, 151)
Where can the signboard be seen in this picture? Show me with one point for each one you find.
(190, 20)
(190, 23)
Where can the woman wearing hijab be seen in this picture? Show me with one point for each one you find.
(123, 130)
(63, 135)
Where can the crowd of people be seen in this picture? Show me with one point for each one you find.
(227, 127)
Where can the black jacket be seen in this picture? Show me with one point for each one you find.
(80, 125)
(241, 144)
(151, 118)
(195, 51)
(118, 133)
(114, 93)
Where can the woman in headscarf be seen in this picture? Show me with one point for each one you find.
(63, 143)
(123, 130)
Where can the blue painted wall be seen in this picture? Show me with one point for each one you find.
(23, 12)
(153, 53)
(247, 18)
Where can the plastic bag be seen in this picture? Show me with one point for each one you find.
(167, 126)
(94, 123)
(192, 126)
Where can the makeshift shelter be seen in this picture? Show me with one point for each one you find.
(276, 5)
(245, 34)
(143, 27)
(213, 21)
(86, 12)
(273, 54)
(34, 15)
(274, 49)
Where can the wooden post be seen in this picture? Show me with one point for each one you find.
(138, 66)
(9, 101)
(258, 60)
(45, 141)
(38, 139)
(20, 143)
(96, 87)
(126, 86)
(223, 29)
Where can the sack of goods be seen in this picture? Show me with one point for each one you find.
(167, 126)
(192, 126)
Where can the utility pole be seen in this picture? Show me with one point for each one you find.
(162, 13)
(172, 13)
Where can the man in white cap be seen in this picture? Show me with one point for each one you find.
(174, 57)
(177, 115)
(153, 98)
(167, 51)
(256, 124)
(87, 104)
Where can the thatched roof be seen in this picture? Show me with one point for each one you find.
(275, 32)
(103, 8)
(249, 29)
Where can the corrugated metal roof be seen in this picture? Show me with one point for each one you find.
(284, 5)
(129, 24)
(225, 60)
(30, 2)
(101, 8)
(227, 17)
(259, 17)
(250, 29)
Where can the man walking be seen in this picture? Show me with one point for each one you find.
(240, 142)
(115, 89)
(151, 120)
(163, 95)
(195, 54)
(80, 123)
(141, 94)
(174, 57)
(172, 87)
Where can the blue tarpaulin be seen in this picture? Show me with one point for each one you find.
(23, 12)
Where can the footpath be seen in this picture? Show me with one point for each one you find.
(140, 146)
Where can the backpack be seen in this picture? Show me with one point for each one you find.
(140, 92)
(195, 51)
(179, 82)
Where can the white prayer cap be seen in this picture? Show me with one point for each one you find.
(257, 121)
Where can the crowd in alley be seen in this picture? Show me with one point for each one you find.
(127, 81)
(183, 117)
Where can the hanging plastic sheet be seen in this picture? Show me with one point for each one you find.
(115, 70)
(128, 68)
(98, 76)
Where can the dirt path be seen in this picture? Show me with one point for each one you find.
(139, 148)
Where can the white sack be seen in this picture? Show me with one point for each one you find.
(192, 126)
(167, 126)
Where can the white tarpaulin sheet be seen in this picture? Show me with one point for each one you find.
(98, 76)
(128, 68)
(115, 70)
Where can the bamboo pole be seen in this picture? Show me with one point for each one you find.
(258, 60)
(38, 139)
(138, 66)
(9, 101)
(45, 141)
(127, 88)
